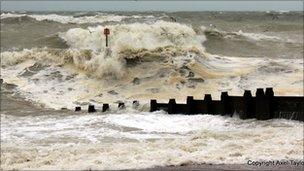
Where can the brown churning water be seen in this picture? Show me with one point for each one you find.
(60, 61)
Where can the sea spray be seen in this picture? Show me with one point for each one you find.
(171, 53)
(149, 59)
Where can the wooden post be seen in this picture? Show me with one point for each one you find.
(77, 108)
(248, 110)
(135, 104)
(261, 105)
(121, 105)
(105, 107)
(225, 100)
(270, 101)
(190, 105)
(209, 106)
(153, 105)
(91, 109)
(171, 106)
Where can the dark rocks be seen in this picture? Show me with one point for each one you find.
(197, 80)
(136, 81)
(191, 74)
(112, 92)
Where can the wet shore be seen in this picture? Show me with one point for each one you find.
(226, 167)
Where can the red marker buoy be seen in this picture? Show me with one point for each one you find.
(106, 32)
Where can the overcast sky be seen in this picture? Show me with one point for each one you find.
(151, 5)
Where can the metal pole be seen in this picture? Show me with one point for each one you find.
(106, 40)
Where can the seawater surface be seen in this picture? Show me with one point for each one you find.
(59, 60)
(139, 140)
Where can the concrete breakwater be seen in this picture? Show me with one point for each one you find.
(262, 106)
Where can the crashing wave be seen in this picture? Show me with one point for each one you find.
(100, 18)
(240, 34)
(88, 52)
(159, 60)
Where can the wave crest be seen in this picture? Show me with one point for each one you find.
(139, 54)
(64, 19)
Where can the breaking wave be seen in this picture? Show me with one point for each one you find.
(151, 60)
(240, 34)
(137, 56)
(64, 19)
(161, 40)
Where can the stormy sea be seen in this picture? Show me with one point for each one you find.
(53, 62)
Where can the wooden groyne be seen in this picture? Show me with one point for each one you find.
(263, 106)
(106, 107)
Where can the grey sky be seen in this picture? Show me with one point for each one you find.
(151, 5)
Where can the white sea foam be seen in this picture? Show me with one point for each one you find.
(60, 84)
(11, 15)
(142, 36)
(79, 20)
(164, 57)
(257, 36)
(100, 18)
(82, 141)
(250, 36)
(88, 59)
(163, 51)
